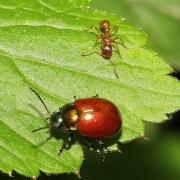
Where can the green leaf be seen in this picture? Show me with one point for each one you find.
(160, 19)
(40, 47)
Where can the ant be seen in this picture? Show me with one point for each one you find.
(107, 43)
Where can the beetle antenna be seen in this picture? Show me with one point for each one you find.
(43, 142)
(39, 97)
(35, 130)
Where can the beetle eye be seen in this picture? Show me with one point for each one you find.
(60, 121)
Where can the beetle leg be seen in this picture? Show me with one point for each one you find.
(101, 149)
(103, 146)
(101, 154)
(88, 142)
(66, 144)
(75, 98)
(118, 147)
(97, 146)
(96, 96)
(43, 142)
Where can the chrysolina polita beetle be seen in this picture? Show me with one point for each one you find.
(95, 119)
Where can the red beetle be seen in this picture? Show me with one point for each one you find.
(94, 118)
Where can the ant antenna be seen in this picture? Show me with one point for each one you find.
(39, 97)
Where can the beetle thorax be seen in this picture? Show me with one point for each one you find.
(70, 117)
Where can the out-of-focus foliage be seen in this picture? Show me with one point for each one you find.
(154, 159)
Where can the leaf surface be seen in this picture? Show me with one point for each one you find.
(40, 47)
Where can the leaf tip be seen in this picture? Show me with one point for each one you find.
(77, 173)
(33, 177)
(10, 174)
(142, 135)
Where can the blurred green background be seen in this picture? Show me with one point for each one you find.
(159, 157)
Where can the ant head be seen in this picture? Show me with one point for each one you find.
(104, 24)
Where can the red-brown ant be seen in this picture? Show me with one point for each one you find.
(107, 43)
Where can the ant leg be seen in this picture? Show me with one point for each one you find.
(114, 30)
(114, 65)
(91, 51)
(98, 31)
(117, 50)
(91, 27)
(96, 28)
(86, 53)
(121, 42)
(96, 43)
(66, 144)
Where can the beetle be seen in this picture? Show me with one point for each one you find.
(95, 119)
